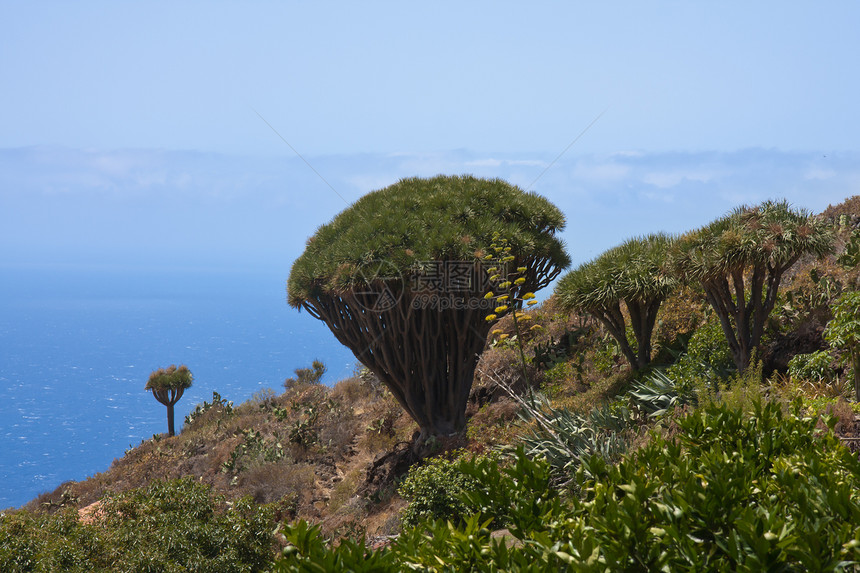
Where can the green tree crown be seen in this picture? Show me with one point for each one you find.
(740, 259)
(634, 270)
(772, 234)
(170, 378)
(449, 218)
(633, 273)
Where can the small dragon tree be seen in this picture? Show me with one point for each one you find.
(398, 279)
(632, 273)
(168, 385)
(843, 331)
(311, 375)
(740, 260)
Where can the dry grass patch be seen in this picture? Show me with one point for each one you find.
(268, 483)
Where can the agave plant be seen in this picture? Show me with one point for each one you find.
(564, 438)
(655, 395)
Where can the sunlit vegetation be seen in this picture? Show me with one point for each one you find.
(574, 456)
(398, 279)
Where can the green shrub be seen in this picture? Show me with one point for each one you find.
(168, 526)
(733, 492)
(814, 367)
(308, 552)
(729, 491)
(520, 494)
(434, 490)
(606, 355)
(850, 257)
(843, 331)
(706, 362)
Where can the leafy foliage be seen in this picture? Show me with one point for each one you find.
(706, 362)
(308, 552)
(729, 492)
(814, 367)
(168, 526)
(170, 378)
(434, 490)
(657, 394)
(844, 331)
(850, 257)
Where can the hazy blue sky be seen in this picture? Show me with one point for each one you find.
(136, 133)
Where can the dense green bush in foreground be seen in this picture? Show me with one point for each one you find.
(763, 491)
(726, 489)
(169, 526)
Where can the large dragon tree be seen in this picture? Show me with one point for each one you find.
(399, 279)
(168, 385)
(633, 273)
(740, 260)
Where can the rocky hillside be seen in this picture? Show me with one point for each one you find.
(335, 456)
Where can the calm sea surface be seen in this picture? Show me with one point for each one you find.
(77, 346)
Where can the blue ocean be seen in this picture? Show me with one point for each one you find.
(78, 344)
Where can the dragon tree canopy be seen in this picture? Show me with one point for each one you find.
(448, 218)
(373, 276)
